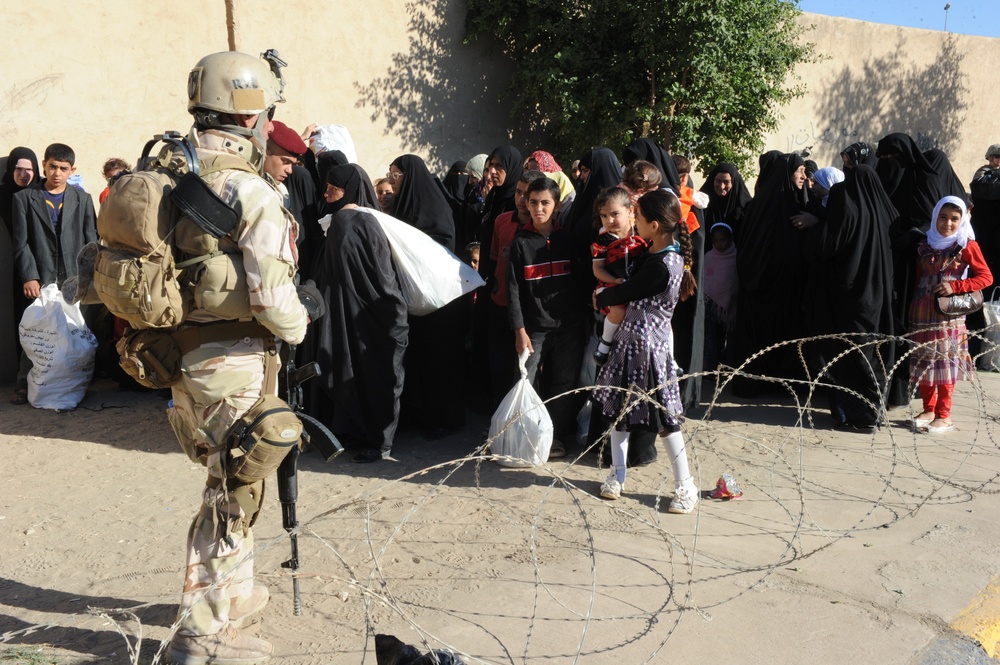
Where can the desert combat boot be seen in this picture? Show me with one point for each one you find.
(229, 647)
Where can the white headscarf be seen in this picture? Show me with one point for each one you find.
(826, 178)
(962, 236)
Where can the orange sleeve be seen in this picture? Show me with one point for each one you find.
(687, 215)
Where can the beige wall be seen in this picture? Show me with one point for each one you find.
(876, 79)
(104, 76)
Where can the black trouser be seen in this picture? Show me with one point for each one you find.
(559, 354)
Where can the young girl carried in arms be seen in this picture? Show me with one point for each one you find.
(614, 252)
(641, 357)
(949, 261)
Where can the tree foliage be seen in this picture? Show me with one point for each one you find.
(704, 77)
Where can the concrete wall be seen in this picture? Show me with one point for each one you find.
(103, 76)
(876, 79)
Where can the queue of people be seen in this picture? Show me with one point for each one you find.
(602, 276)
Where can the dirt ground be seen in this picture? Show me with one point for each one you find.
(846, 547)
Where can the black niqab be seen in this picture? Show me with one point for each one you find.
(915, 181)
(421, 203)
(455, 183)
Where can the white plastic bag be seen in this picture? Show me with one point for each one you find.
(61, 349)
(429, 275)
(521, 429)
(989, 361)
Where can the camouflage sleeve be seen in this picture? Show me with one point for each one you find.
(267, 241)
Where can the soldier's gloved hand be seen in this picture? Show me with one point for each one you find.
(312, 300)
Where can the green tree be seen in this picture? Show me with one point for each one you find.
(706, 78)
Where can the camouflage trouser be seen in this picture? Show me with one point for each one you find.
(220, 382)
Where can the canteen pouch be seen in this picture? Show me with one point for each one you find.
(219, 286)
(259, 441)
(151, 357)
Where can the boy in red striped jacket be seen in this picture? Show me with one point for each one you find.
(547, 310)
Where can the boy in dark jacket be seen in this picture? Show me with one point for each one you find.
(547, 312)
(51, 225)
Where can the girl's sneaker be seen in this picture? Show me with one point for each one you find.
(685, 499)
(611, 488)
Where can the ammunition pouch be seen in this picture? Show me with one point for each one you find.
(151, 357)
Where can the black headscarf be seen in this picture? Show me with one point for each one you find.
(649, 150)
(357, 187)
(324, 162)
(765, 163)
(8, 188)
(728, 208)
(860, 153)
(915, 181)
(605, 171)
(498, 201)
(501, 198)
(421, 202)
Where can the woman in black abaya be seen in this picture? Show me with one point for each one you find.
(432, 395)
(851, 254)
(21, 173)
(455, 184)
(503, 169)
(771, 274)
(915, 181)
(361, 341)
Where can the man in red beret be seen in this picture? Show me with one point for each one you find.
(284, 150)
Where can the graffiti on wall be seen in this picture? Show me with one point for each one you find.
(812, 136)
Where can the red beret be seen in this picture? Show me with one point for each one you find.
(285, 137)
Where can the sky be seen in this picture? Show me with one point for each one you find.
(968, 17)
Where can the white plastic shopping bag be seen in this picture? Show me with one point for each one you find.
(521, 429)
(61, 349)
(429, 275)
(989, 360)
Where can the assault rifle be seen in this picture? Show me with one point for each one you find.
(317, 435)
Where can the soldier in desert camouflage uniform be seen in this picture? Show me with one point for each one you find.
(231, 96)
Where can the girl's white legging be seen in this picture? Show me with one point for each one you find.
(675, 448)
